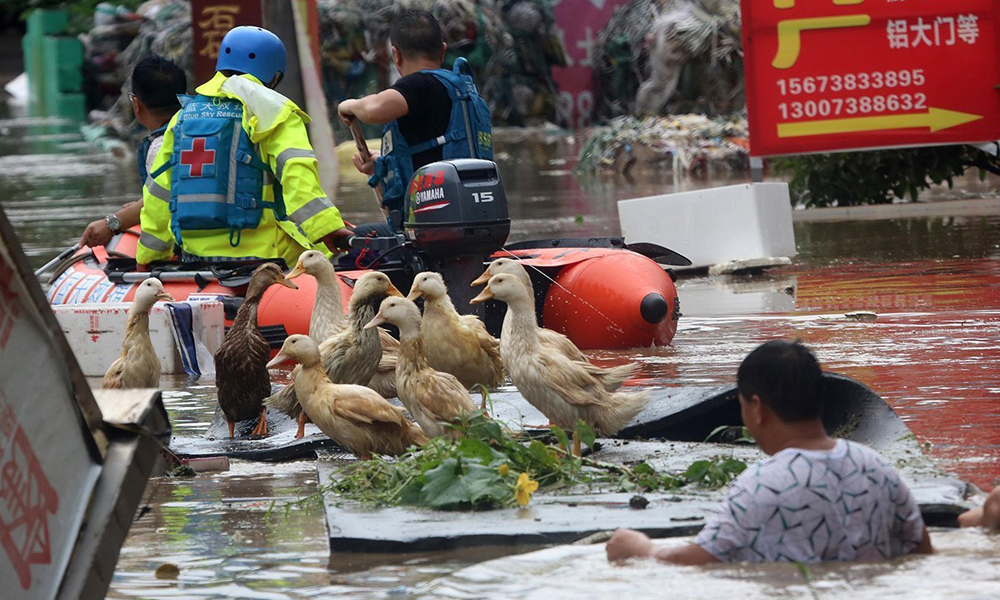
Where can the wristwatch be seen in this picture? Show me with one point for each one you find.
(113, 223)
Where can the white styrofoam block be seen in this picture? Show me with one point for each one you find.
(95, 333)
(714, 225)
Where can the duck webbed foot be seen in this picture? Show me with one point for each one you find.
(301, 431)
(231, 425)
(261, 429)
(485, 395)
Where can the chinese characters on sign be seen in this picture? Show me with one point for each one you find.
(26, 500)
(852, 74)
(210, 21)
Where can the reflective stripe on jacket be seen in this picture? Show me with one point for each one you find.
(278, 128)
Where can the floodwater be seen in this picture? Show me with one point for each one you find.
(933, 353)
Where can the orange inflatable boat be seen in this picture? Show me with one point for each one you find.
(599, 297)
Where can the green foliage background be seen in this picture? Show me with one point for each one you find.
(877, 177)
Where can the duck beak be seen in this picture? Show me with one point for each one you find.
(165, 296)
(414, 294)
(298, 270)
(375, 322)
(279, 358)
(288, 284)
(486, 294)
(481, 279)
(392, 291)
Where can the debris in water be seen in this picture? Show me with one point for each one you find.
(683, 143)
(864, 316)
(167, 571)
(638, 502)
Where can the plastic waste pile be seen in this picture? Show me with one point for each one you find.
(658, 57)
(685, 144)
(510, 45)
(160, 27)
(114, 29)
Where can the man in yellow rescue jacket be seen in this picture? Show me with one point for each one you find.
(236, 177)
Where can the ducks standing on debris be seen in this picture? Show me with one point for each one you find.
(611, 378)
(454, 343)
(351, 356)
(432, 397)
(561, 388)
(241, 362)
(138, 365)
(354, 416)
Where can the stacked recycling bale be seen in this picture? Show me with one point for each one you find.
(510, 44)
(659, 57)
(164, 28)
(681, 144)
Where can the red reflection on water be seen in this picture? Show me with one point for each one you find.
(933, 353)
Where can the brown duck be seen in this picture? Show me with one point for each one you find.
(241, 362)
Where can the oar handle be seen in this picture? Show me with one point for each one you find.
(59, 257)
(359, 140)
(362, 145)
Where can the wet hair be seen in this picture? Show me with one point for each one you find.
(157, 81)
(416, 32)
(786, 377)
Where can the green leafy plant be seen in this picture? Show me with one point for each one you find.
(488, 466)
(877, 177)
(731, 434)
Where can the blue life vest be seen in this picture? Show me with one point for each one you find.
(141, 157)
(469, 135)
(217, 178)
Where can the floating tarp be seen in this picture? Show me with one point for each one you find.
(280, 444)
(853, 412)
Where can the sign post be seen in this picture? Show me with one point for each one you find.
(827, 75)
(211, 20)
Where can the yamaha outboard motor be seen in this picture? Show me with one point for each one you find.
(456, 214)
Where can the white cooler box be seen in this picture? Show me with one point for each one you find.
(95, 333)
(747, 222)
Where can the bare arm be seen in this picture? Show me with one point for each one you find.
(626, 543)
(379, 108)
(97, 232)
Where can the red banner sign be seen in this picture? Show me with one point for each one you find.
(578, 23)
(826, 75)
(211, 20)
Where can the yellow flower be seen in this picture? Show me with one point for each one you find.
(503, 470)
(524, 488)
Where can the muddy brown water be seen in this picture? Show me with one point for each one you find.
(933, 353)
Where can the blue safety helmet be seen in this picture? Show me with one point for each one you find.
(252, 50)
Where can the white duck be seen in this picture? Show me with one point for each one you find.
(562, 389)
(454, 343)
(434, 398)
(611, 378)
(352, 355)
(328, 317)
(354, 416)
(138, 365)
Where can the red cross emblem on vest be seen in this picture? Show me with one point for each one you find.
(198, 157)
